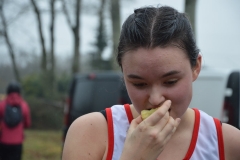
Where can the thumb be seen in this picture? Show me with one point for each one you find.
(135, 122)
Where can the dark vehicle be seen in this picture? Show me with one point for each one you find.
(231, 103)
(92, 92)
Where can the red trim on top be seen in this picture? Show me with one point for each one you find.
(194, 135)
(220, 139)
(128, 112)
(110, 134)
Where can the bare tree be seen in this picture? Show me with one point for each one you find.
(101, 41)
(48, 57)
(8, 41)
(101, 35)
(52, 42)
(190, 9)
(115, 18)
(40, 32)
(75, 27)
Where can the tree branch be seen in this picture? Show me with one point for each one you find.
(64, 7)
(44, 53)
(8, 42)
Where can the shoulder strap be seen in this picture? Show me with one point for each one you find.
(220, 139)
(118, 119)
(110, 134)
(194, 135)
(128, 112)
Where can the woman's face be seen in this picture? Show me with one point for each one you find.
(155, 75)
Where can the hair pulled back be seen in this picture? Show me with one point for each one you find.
(151, 27)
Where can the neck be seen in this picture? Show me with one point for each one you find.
(187, 120)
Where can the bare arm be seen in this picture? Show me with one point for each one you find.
(86, 138)
(231, 138)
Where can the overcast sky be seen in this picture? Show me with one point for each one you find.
(217, 31)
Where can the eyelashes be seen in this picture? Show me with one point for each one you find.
(171, 82)
(168, 83)
(139, 84)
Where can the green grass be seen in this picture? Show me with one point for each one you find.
(42, 145)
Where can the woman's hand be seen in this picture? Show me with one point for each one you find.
(146, 138)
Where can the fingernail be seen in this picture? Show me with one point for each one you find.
(169, 101)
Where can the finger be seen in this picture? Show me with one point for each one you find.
(138, 119)
(163, 122)
(135, 122)
(170, 128)
(176, 124)
(158, 114)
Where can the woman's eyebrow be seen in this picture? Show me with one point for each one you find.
(133, 76)
(170, 73)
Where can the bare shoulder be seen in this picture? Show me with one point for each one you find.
(231, 141)
(86, 138)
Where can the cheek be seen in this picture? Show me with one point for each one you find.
(181, 96)
(137, 97)
(131, 91)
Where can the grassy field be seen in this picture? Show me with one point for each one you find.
(42, 145)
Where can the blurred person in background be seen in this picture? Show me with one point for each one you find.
(12, 136)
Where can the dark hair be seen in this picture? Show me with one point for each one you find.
(151, 27)
(14, 87)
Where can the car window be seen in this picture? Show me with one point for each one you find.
(82, 97)
(95, 95)
(106, 93)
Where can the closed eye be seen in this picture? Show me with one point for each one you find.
(171, 82)
(139, 85)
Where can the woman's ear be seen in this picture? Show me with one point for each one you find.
(197, 67)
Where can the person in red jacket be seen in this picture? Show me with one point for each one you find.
(11, 139)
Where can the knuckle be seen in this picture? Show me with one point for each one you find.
(166, 117)
(153, 135)
(160, 139)
(171, 122)
(142, 127)
(160, 113)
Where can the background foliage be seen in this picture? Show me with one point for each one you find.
(46, 105)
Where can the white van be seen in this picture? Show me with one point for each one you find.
(216, 91)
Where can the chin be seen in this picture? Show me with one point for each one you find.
(176, 113)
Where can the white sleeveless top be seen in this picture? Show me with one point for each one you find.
(206, 143)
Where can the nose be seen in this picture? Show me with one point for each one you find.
(156, 97)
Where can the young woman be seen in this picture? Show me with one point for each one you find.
(159, 60)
